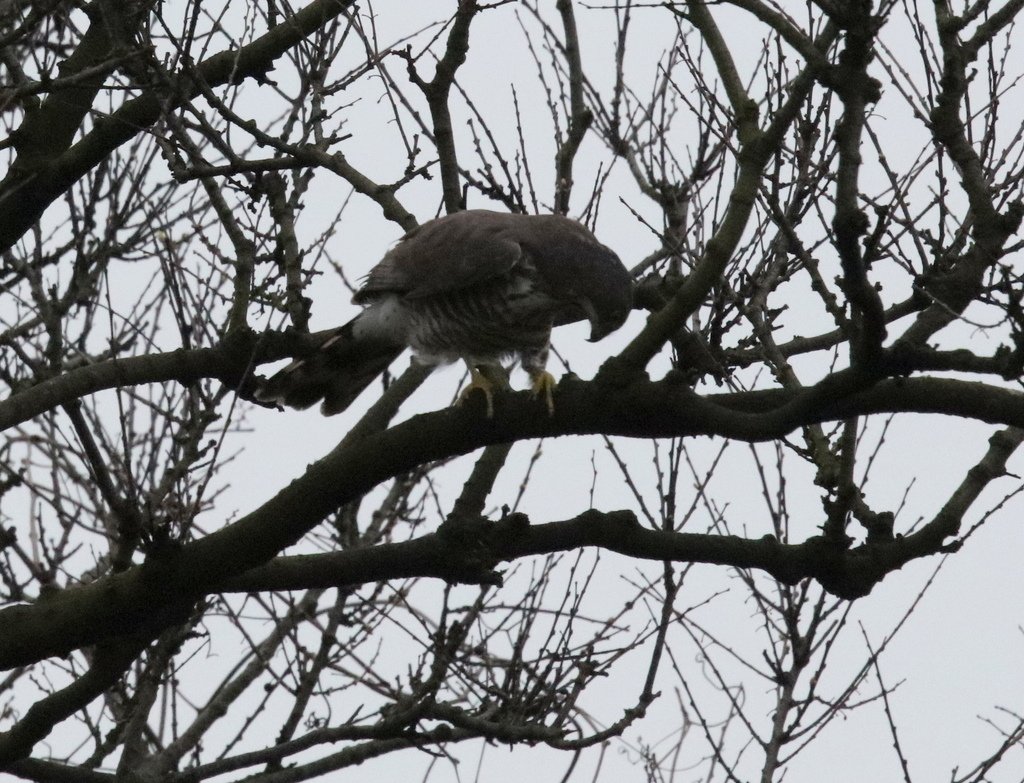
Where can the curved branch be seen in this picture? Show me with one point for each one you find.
(789, 32)
(182, 365)
(846, 573)
(228, 362)
(156, 593)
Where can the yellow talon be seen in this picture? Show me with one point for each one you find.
(488, 378)
(544, 384)
(479, 379)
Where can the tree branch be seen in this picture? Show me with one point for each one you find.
(156, 593)
(109, 662)
(26, 192)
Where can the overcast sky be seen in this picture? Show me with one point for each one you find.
(958, 658)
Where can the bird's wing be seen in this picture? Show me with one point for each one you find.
(451, 253)
(562, 259)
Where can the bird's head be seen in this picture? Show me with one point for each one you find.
(586, 277)
(607, 298)
(604, 320)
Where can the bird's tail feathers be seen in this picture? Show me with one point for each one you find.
(337, 372)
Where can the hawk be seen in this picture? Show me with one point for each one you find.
(477, 285)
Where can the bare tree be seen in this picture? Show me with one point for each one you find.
(821, 205)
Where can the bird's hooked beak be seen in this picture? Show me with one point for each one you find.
(599, 330)
(599, 327)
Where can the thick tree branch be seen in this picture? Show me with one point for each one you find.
(857, 91)
(846, 573)
(110, 661)
(157, 592)
(228, 362)
(49, 129)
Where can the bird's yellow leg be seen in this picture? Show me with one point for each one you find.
(543, 385)
(486, 379)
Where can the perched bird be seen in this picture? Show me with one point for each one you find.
(476, 285)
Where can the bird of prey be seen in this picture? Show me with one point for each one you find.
(477, 285)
